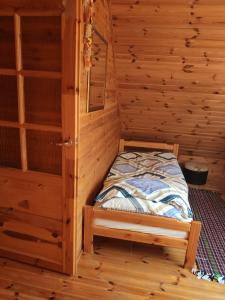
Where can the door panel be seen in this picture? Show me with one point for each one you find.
(37, 119)
(31, 193)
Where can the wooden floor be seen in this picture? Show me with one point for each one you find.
(117, 271)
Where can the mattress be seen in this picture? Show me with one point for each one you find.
(140, 228)
(147, 183)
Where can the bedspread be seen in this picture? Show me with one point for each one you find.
(146, 182)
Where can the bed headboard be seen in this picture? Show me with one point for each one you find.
(174, 148)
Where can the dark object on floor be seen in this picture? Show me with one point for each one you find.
(209, 208)
(195, 173)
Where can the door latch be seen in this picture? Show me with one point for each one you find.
(68, 143)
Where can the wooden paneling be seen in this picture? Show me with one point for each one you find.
(170, 65)
(98, 131)
(30, 217)
(30, 193)
(122, 271)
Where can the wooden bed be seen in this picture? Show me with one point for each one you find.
(192, 229)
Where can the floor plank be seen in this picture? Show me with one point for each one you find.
(117, 270)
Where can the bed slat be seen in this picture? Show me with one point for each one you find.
(141, 219)
(141, 237)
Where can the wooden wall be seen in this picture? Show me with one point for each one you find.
(98, 131)
(170, 60)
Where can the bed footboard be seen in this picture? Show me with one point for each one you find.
(189, 244)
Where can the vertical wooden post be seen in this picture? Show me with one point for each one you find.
(69, 100)
(192, 245)
(176, 149)
(20, 92)
(121, 145)
(88, 229)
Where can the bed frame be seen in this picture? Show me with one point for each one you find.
(192, 229)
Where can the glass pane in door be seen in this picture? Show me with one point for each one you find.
(7, 43)
(10, 147)
(41, 38)
(8, 98)
(43, 153)
(43, 101)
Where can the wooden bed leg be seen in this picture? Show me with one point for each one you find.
(88, 229)
(192, 245)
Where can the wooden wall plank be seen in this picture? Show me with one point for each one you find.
(170, 66)
(98, 131)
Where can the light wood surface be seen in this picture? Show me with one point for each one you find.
(123, 271)
(192, 245)
(98, 131)
(174, 148)
(39, 108)
(169, 61)
(141, 219)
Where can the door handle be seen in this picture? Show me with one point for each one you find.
(67, 143)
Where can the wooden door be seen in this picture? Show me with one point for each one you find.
(38, 133)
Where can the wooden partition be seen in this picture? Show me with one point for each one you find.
(53, 154)
(98, 131)
(38, 132)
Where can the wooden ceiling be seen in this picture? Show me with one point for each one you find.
(170, 58)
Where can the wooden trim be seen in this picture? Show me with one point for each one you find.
(70, 71)
(30, 126)
(31, 12)
(40, 12)
(40, 127)
(8, 72)
(192, 244)
(141, 219)
(20, 88)
(7, 12)
(174, 148)
(27, 73)
(41, 74)
(88, 229)
(9, 124)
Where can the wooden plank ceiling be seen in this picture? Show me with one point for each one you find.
(170, 59)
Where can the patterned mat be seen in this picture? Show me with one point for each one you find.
(209, 208)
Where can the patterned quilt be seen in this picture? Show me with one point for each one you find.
(146, 182)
